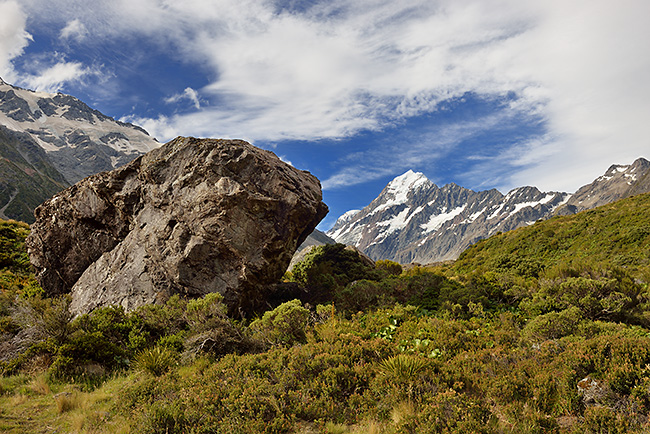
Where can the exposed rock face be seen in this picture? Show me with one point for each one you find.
(192, 217)
(620, 181)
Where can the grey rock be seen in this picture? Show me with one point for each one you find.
(15, 107)
(192, 217)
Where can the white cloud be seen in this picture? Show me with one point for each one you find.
(340, 67)
(13, 37)
(417, 151)
(53, 78)
(74, 29)
(188, 94)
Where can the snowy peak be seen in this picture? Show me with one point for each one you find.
(409, 181)
(79, 140)
(412, 220)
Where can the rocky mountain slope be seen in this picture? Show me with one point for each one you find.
(75, 141)
(413, 220)
(618, 182)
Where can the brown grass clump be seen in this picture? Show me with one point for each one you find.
(40, 386)
(66, 401)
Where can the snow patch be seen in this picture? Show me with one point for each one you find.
(520, 206)
(436, 221)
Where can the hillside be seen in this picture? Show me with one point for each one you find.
(27, 178)
(616, 234)
(541, 329)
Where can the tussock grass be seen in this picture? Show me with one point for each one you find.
(155, 361)
(402, 367)
(68, 401)
(39, 385)
(402, 412)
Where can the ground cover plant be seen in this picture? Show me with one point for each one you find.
(542, 329)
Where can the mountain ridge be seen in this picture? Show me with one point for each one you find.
(50, 141)
(414, 220)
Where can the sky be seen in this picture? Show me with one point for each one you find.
(481, 93)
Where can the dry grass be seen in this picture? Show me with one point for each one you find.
(68, 401)
(18, 399)
(39, 385)
(402, 411)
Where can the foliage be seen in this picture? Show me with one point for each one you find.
(502, 340)
(284, 325)
(390, 268)
(155, 361)
(330, 267)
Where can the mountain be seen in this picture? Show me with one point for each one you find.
(617, 183)
(413, 220)
(27, 177)
(49, 141)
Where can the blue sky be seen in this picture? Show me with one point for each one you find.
(483, 93)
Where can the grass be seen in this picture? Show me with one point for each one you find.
(37, 407)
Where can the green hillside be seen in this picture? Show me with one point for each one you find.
(614, 235)
(27, 178)
(543, 329)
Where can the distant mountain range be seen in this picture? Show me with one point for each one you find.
(413, 220)
(50, 141)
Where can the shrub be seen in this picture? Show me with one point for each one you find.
(331, 266)
(390, 268)
(284, 325)
(553, 325)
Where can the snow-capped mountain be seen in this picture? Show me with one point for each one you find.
(413, 220)
(78, 140)
(49, 141)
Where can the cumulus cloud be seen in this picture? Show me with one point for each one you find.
(335, 68)
(13, 36)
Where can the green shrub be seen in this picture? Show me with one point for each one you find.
(553, 325)
(328, 267)
(388, 267)
(284, 325)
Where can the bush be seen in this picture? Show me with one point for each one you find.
(388, 267)
(331, 266)
(284, 325)
(553, 325)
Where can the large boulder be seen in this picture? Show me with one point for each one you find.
(192, 217)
